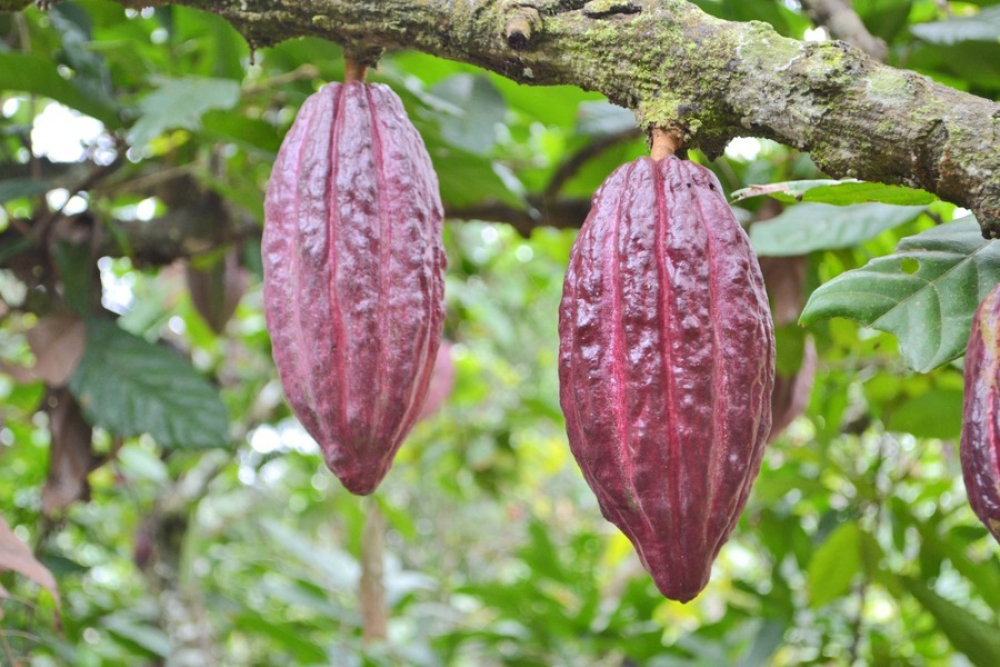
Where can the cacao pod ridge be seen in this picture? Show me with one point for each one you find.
(666, 365)
(354, 275)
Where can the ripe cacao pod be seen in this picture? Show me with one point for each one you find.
(666, 365)
(980, 447)
(354, 275)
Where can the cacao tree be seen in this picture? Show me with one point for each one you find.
(161, 503)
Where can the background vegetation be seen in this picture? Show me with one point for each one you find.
(160, 505)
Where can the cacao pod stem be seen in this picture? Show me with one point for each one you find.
(664, 143)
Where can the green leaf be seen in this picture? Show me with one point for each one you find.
(475, 108)
(925, 294)
(834, 565)
(977, 639)
(22, 187)
(601, 118)
(839, 193)
(34, 74)
(982, 27)
(180, 103)
(151, 639)
(807, 227)
(934, 414)
(129, 386)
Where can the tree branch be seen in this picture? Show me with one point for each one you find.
(678, 67)
(839, 17)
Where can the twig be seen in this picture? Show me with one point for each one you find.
(371, 588)
(839, 17)
(576, 161)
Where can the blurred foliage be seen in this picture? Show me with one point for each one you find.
(857, 545)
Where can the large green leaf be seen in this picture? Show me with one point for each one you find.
(180, 103)
(976, 638)
(807, 227)
(834, 565)
(475, 107)
(982, 27)
(34, 74)
(129, 386)
(841, 193)
(925, 293)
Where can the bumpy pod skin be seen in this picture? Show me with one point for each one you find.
(980, 448)
(354, 275)
(666, 365)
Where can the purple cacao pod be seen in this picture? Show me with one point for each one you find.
(354, 275)
(666, 365)
(980, 447)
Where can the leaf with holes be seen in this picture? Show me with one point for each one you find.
(925, 293)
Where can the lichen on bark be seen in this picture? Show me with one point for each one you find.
(678, 67)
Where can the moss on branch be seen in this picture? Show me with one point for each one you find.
(680, 68)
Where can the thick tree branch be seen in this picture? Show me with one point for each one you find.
(679, 68)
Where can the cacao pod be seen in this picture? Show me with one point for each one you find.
(354, 275)
(980, 446)
(216, 289)
(442, 382)
(785, 280)
(791, 393)
(666, 365)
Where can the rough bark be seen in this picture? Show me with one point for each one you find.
(856, 117)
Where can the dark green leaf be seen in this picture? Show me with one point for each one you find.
(35, 74)
(129, 386)
(22, 187)
(925, 294)
(807, 227)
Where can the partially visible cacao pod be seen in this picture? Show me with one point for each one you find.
(980, 447)
(785, 280)
(354, 275)
(442, 382)
(666, 365)
(216, 288)
(791, 393)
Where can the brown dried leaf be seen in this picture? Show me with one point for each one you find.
(16, 555)
(57, 342)
(70, 459)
